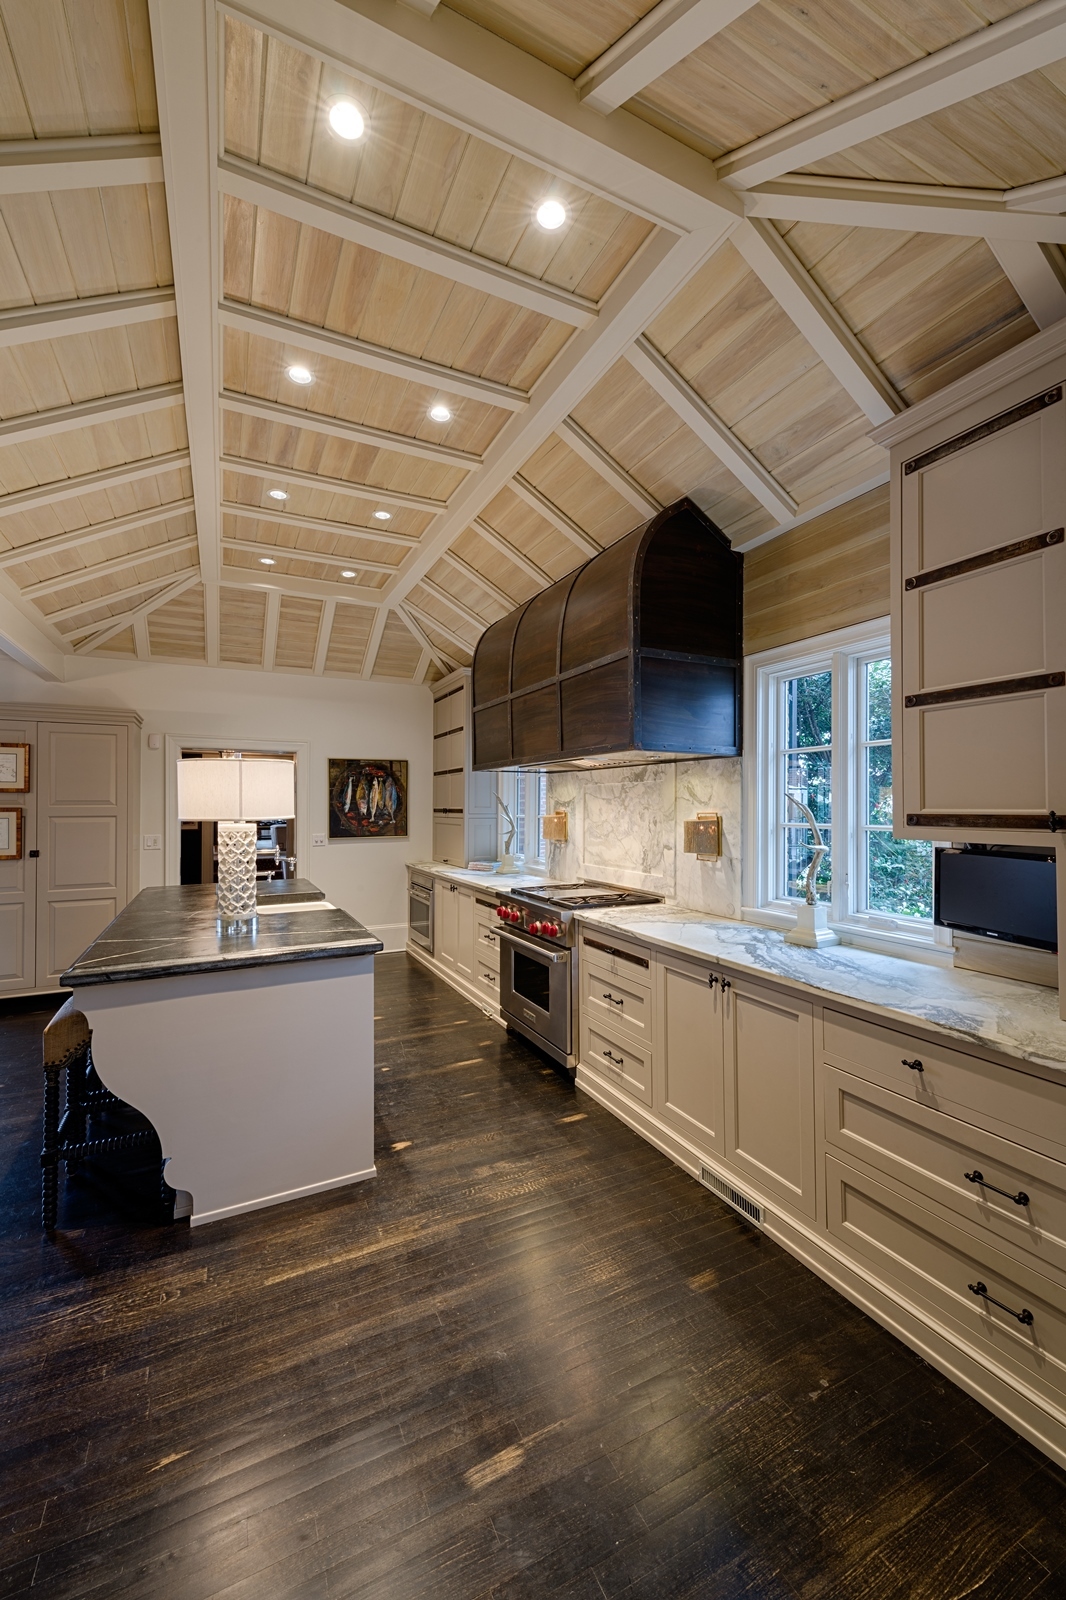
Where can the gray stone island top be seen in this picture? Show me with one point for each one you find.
(175, 931)
(1012, 1018)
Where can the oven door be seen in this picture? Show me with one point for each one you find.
(420, 915)
(535, 990)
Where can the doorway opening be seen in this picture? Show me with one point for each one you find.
(275, 841)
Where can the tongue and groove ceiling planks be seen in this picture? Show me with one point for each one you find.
(783, 223)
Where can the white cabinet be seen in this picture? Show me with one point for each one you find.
(769, 1090)
(979, 601)
(464, 953)
(691, 1054)
(79, 856)
(454, 928)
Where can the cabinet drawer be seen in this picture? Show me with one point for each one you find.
(616, 1000)
(488, 976)
(616, 958)
(932, 1262)
(488, 942)
(627, 1066)
(1026, 1109)
(932, 1153)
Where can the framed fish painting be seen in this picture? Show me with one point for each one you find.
(367, 799)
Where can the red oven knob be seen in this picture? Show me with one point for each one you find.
(551, 929)
(538, 927)
(501, 912)
(514, 915)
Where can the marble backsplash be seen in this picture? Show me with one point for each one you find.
(627, 827)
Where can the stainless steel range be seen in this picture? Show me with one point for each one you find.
(538, 958)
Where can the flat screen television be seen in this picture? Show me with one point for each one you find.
(999, 892)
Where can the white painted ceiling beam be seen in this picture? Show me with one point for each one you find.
(253, 547)
(135, 521)
(270, 628)
(95, 313)
(142, 643)
(426, 7)
(665, 263)
(425, 661)
(551, 513)
(313, 208)
(595, 456)
(312, 480)
(114, 598)
(770, 258)
(1047, 195)
(435, 623)
(809, 513)
(111, 408)
(292, 519)
(910, 207)
(104, 569)
(465, 570)
(480, 82)
(373, 357)
(508, 551)
(102, 161)
(445, 662)
(1038, 274)
(184, 43)
(373, 643)
(697, 416)
(466, 612)
(352, 432)
(325, 628)
(48, 494)
(115, 625)
(25, 642)
(302, 588)
(671, 30)
(1021, 43)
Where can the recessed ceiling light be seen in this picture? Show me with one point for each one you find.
(383, 516)
(440, 412)
(300, 374)
(278, 494)
(346, 119)
(551, 214)
(266, 561)
(347, 574)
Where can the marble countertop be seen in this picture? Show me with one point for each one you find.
(492, 882)
(279, 891)
(1015, 1019)
(172, 931)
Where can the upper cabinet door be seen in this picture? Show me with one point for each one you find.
(983, 619)
(18, 879)
(769, 1091)
(82, 821)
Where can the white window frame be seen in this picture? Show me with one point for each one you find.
(511, 783)
(844, 653)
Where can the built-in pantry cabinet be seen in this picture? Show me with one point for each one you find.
(466, 944)
(926, 1182)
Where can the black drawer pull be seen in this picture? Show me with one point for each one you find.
(619, 1061)
(608, 996)
(1020, 1199)
(915, 1065)
(1024, 1317)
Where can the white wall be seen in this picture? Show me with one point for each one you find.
(333, 717)
(627, 827)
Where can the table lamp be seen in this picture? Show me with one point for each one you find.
(236, 794)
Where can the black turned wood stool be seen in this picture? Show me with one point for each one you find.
(68, 1049)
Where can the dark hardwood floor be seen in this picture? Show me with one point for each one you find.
(531, 1358)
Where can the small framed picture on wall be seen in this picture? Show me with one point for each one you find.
(14, 768)
(10, 833)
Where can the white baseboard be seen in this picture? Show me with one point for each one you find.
(393, 935)
(280, 1199)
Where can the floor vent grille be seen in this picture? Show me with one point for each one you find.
(732, 1197)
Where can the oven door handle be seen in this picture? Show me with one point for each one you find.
(531, 949)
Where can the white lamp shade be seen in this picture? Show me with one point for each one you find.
(236, 791)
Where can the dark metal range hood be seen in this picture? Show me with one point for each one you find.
(634, 657)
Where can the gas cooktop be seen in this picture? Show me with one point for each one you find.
(575, 896)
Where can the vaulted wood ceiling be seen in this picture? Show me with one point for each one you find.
(784, 223)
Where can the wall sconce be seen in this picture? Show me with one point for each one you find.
(703, 836)
(555, 827)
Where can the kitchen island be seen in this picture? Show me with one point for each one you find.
(251, 1053)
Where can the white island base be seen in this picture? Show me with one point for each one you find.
(258, 1080)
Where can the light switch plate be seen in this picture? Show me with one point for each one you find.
(153, 841)
(317, 839)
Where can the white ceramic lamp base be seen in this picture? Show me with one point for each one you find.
(236, 871)
(812, 928)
